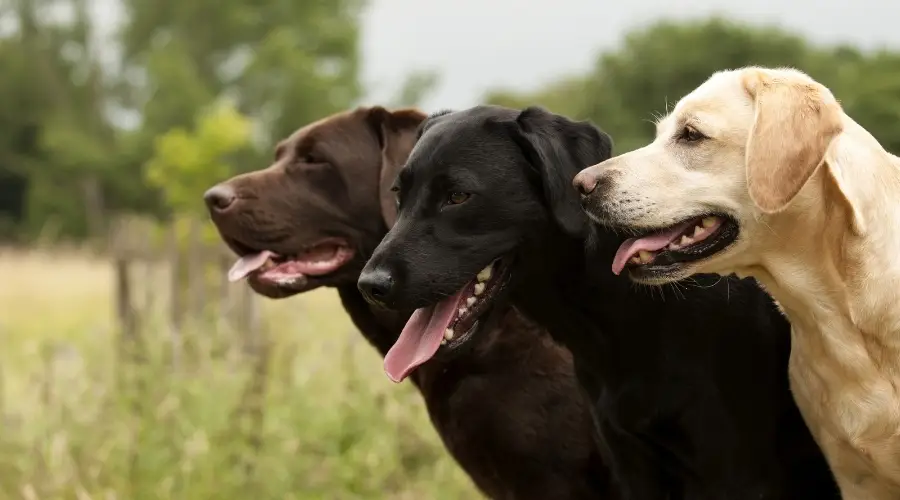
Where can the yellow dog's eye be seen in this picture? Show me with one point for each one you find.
(456, 198)
(690, 134)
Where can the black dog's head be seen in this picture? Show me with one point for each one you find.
(478, 186)
(311, 217)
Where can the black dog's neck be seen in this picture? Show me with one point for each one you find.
(564, 288)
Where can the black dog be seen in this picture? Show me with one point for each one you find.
(689, 388)
(311, 219)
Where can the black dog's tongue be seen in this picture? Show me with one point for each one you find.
(421, 337)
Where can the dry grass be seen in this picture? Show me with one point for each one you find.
(80, 424)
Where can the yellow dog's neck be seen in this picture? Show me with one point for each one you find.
(835, 267)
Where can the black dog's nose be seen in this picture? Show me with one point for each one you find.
(376, 286)
(219, 197)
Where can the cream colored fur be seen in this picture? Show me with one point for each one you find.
(818, 203)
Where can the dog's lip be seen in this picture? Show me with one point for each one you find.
(503, 268)
(280, 286)
(670, 263)
(243, 248)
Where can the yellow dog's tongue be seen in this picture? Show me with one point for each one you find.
(420, 338)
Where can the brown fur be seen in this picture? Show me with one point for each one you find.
(509, 409)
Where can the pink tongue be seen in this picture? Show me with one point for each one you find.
(630, 247)
(420, 338)
(247, 264)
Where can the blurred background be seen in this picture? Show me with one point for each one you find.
(129, 367)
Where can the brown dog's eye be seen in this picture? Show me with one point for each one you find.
(456, 198)
(690, 134)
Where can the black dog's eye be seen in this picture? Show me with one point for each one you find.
(457, 197)
(690, 134)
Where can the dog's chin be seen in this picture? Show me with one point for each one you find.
(677, 251)
(479, 309)
(274, 290)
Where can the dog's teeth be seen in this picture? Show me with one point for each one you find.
(470, 301)
(685, 240)
(479, 288)
(485, 274)
(448, 334)
(672, 246)
(709, 222)
(463, 311)
(645, 256)
(443, 341)
(697, 231)
(636, 260)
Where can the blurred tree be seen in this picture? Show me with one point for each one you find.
(184, 161)
(57, 138)
(633, 85)
(65, 158)
(284, 63)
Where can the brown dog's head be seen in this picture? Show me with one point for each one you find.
(313, 216)
(720, 189)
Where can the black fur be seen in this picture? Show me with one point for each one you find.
(688, 383)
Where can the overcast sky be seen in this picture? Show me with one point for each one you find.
(478, 44)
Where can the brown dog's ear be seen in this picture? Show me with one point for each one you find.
(396, 132)
(796, 120)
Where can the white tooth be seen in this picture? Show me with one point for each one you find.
(672, 246)
(479, 288)
(697, 231)
(448, 334)
(645, 256)
(462, 311)
(443, 341)
(685, 240)
(709, 221)
(470, 301)
(485, 274)
(636, 260)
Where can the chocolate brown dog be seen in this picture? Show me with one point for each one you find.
(507, 407)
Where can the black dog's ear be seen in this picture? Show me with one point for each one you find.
(559, 148)
(432, 118)
(397, 134)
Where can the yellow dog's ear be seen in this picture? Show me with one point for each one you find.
(796, 120)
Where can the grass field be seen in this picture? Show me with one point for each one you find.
(77, 423)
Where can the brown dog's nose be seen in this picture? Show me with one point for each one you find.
(219, 197)
(586, 181)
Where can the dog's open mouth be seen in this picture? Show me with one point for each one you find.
(661, 251)
(447, 325)
(292, 271)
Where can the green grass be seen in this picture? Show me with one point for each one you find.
(78, 422)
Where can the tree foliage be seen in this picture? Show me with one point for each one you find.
(78, 128)
(184, 161)
(631, 86)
